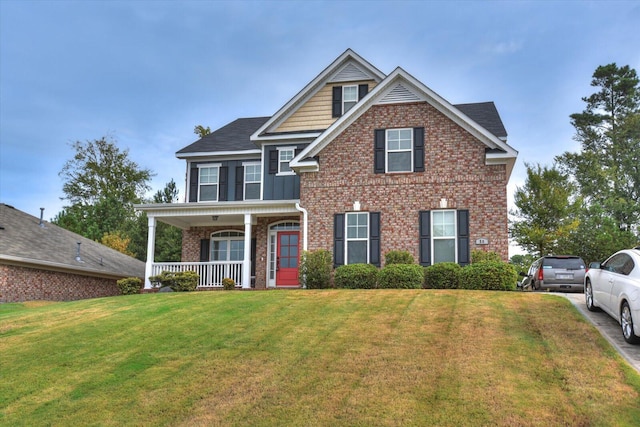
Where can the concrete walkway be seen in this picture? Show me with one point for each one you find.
(609, 328)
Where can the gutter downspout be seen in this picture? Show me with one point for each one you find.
(305, 216)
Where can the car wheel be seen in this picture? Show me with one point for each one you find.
(627, 324)
(588, 297)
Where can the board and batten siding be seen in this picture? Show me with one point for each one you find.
(315, 114)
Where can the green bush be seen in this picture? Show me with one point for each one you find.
(478, 255)
(398, 257)
(444, 275)
(401, 276)
(179, 282)
(228, 284)
(315, 269)
(129, 285)
(495, 276)
(356, 276)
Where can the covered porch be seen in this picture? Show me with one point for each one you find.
(237, 240)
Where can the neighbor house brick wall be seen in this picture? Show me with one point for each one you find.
(454, 169)
(19, 284)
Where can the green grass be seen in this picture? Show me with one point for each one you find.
(305, 358)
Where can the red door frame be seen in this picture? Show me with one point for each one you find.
(286, 256)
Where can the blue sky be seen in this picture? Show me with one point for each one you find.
(146, 72)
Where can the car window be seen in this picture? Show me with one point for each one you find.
(619, 263)
(567, 263)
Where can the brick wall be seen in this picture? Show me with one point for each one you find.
(454, 169)
(19, 284)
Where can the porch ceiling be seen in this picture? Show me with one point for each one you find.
(187, 215)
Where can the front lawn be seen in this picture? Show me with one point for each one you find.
(305, 358)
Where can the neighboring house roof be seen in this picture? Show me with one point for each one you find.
(231, 138)
(486, 115)
(23, 241)
(401, 87)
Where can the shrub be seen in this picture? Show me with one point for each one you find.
(228, 284)
(444, 275)
(183, 281)
(356, 276)
(398, 257)
(315, 269)
(478, 255)
(129, 285)
(401, 276)
(496, 276)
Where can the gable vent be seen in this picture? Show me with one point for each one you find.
(399, 94)
(350, 73)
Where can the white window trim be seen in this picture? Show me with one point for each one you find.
(245, 182)
(228, 239)
(280, 149)
(387, 151)
(343, 97)
(455, 235)
(355, 239)
(271, 251)
(209, 165)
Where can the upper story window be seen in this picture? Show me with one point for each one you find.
(349, 97)
(284, 157)
(252, 179)
(399, 150)
(208, 177)
(443, 230)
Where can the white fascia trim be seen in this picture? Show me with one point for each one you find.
(288, 137)
(433, 99)
(313, 86)
(218, 153)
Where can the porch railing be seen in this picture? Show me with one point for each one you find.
(211, 273)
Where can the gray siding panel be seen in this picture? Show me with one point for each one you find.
(284, 187)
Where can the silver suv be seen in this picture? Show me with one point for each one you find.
(556, 273)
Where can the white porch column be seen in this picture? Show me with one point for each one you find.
(151, 248)
(246, 264)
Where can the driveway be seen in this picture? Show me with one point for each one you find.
(609, 328)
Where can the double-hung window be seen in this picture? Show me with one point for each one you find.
(399, 150)
(252, 178)
(357, 232)
(208, 177)
(284, 157)
(443, 233)
(349, 97)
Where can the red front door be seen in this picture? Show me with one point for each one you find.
(287, 258)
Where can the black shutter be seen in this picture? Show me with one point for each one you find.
(338, 240)
(374, 238)
(378, 150)
(425, 237)
(418, 149)
(273, 161)
(463, 237)
(193, 184)
(336, 110)
(239, 182)
(204, 250)
(362, 91)
(223, 184)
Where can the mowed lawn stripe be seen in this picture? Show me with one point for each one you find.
(329, 357)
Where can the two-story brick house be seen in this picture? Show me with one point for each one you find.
(359, 163)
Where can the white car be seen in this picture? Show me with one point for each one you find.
(614, 286)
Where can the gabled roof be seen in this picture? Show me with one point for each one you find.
(23, 241)
(486, 115)
(231, 138)
(348, 66)
(401, 87)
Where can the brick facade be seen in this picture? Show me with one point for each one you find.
(454, 169)
(19, 284)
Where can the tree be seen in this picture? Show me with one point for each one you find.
(202, 131)
(545, 212)
(607, 169)
(102, 184)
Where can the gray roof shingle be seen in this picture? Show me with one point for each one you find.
(236, 135)
(22, 239)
